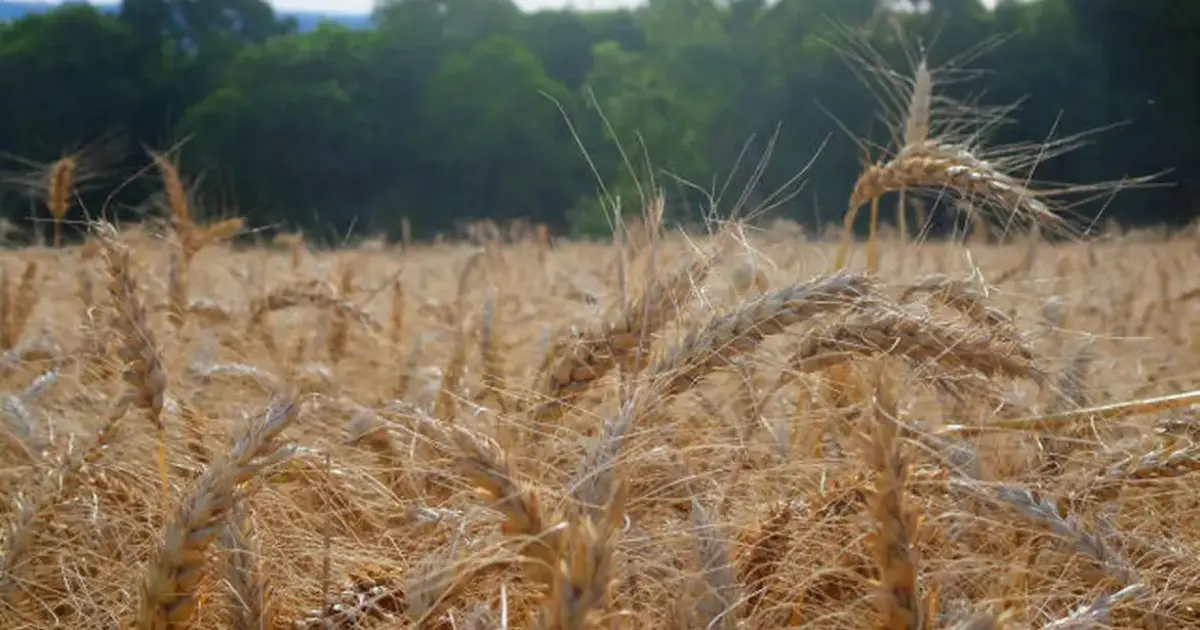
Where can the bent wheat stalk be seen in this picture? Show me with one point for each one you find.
(941, 167)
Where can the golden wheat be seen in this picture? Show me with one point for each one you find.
(936, 452)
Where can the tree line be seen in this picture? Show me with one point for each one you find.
(446, 110)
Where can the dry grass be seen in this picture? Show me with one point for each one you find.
(818, 451)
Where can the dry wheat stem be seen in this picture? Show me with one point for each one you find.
(898, 522)
(1051, 422)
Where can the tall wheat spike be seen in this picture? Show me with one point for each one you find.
(143, 372)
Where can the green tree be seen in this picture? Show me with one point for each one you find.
(66, 80)
(497, 136)
(289, 128)
(69, 80)
(447, 109)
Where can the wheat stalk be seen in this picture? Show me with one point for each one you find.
(1114, 411)
(898, 522)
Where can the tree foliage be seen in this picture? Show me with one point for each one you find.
(454, 109)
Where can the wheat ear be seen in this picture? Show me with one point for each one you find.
(177, 282)
(576, 366)
(20, 307)
(595, 482)
(62, 179)
(182, 221)
(446, 403)
(741, 331)
(717, 605)
(490, 354)
(250, 605)
(1167, 461)
(144, 372)
(1097, 612)
(397, 313)
(338, 337)
(1043, 509)
(981, 621)
(582, 575)
(168, 593)
(900, 334)
(372, 593)
(487, 468)
(938, 166)
(964, 297)
(766, 554)
(951, 168)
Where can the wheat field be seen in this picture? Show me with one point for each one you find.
(739, 428)
(689, 433)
